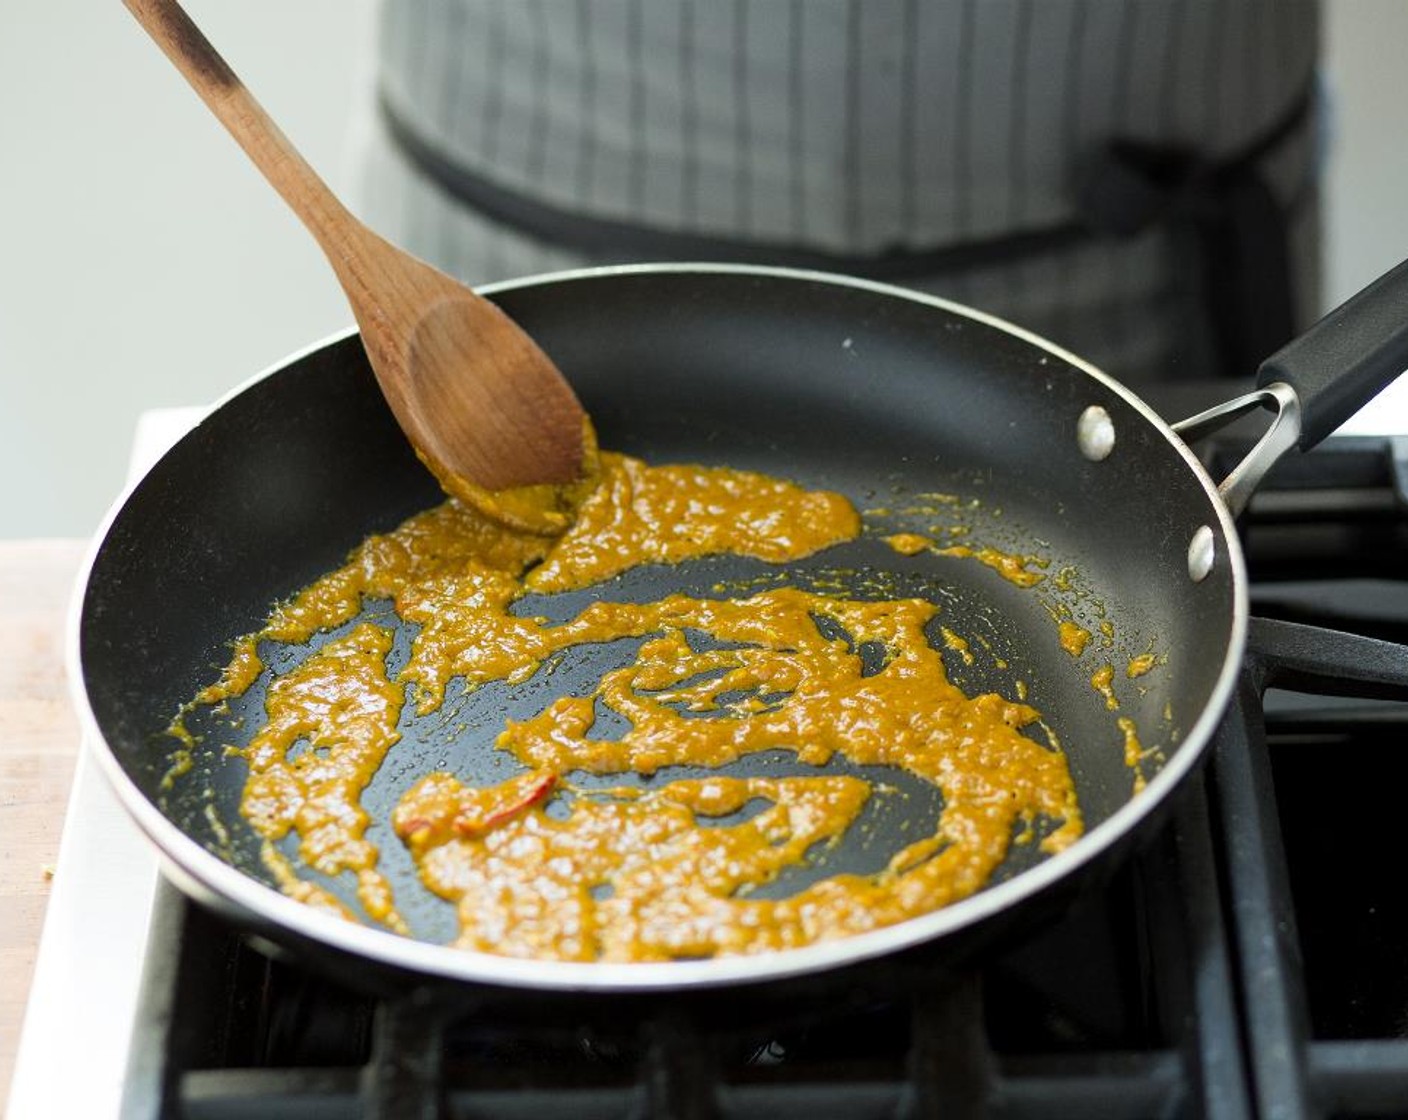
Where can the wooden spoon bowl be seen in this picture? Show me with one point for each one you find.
(486, 410)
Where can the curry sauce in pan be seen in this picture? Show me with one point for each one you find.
(547, 864)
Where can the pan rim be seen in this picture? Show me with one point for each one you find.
(271, 909)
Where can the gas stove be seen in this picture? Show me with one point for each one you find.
(1250, 960)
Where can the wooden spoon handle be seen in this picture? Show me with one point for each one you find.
(336, 230)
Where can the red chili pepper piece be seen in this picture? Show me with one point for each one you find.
(407, 829)
(534, 792)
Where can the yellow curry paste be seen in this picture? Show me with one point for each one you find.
(625, 873)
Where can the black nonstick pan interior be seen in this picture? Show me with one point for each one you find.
(836, 385)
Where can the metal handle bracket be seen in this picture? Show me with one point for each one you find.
(1282, 435)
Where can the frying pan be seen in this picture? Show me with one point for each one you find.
(888, 396)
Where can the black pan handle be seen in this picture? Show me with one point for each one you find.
(1344, 360)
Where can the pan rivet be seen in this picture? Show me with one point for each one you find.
(1202, 553)
(1095, 433)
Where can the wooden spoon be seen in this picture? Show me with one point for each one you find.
(484, 407)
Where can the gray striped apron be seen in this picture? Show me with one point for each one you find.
(1135, 180)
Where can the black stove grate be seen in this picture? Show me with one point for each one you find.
(1250, 960)
(1309, 767)
(1312, 818)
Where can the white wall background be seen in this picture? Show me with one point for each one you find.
(143, 262)
(1366, 199)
